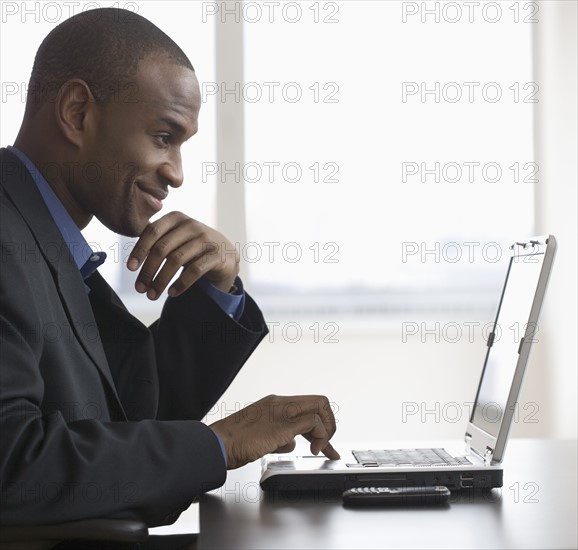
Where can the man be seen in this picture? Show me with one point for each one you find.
(100, 415)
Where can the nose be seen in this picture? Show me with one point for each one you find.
(172, 171)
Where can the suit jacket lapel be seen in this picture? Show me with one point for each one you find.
(24, 194)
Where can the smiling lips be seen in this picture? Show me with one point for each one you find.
(154, 197)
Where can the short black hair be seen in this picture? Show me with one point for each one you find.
(103, 47)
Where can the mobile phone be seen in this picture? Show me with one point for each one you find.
(396, 496)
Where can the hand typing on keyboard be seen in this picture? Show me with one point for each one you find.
(271, 424)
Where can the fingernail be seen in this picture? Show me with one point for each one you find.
(172, 292)
(132, 264)
(140, 287)
(152, 294)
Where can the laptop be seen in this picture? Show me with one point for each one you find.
(478, 463)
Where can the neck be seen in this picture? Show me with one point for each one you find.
(56, 169)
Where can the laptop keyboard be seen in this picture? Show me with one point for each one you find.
(409, 457)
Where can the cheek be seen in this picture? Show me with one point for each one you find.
(119, 177)
(134, 165)
(125, 159)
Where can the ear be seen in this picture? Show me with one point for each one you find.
(75, 110)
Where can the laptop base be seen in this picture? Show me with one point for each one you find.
(336, 481)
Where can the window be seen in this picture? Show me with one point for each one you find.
(402, 149)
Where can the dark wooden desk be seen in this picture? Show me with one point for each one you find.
(536, 508)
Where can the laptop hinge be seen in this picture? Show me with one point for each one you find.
(468, 439)
(488, 455)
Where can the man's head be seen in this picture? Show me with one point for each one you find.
(111, 100)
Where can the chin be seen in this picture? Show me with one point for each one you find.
(133, 230)
(126, 227)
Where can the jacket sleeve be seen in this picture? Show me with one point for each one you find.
(200, 350)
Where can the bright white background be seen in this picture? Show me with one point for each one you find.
(337, 325)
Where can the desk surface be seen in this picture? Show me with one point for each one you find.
(536, 508)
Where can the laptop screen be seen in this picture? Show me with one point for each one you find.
(509, 329)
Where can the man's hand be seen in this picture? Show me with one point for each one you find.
(182, 242)
(271, 424)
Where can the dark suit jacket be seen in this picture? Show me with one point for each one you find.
(99, 415)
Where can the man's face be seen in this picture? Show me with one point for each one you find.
(135, 149)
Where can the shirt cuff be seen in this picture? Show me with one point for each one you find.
(232, 304)
(223, 450)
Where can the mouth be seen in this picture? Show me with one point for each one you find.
(153, 195)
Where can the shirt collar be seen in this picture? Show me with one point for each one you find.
(85, 258)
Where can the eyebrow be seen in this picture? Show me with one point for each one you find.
(173, 124)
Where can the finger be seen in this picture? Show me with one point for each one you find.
(194, 255)
(329, 451)
(192, 273)
(151, 234)
(177, 239)
(311, 426)
(303, 404)
(326, 413)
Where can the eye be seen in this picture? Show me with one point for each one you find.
(163, 138)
